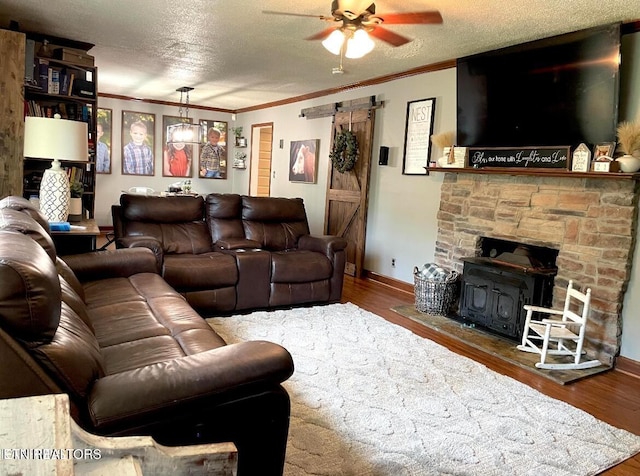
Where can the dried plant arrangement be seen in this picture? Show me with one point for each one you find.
(444, 139)
(629, 137)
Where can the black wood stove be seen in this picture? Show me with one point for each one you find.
(497, 285)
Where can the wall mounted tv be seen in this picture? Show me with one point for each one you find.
(555, 91)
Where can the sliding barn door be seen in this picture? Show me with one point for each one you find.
(348, 192)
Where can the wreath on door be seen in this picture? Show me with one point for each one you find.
(345, 151)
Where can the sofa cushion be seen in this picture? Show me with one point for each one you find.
(275, 223)
(73, 355)
(70, 277)
(204, 271)
(223, 212)
(299, 267)
(14, 220)
(36, 310)
(136, 354)
(176, 222)
(177, 209)
(178, 238)
(29, 290)
(25, 206)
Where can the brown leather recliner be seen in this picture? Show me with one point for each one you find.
(134, 357)
(229, 252)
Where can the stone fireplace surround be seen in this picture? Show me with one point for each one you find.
(591, 221)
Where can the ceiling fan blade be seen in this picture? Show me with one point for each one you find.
(390, 37)
(413, 18)
(321, 35)
(321, 17)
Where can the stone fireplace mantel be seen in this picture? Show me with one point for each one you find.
(591, 221)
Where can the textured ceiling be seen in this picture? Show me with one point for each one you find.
(236, 57)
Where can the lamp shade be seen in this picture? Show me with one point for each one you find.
(57, 139)
(183, 133)
(53, 138)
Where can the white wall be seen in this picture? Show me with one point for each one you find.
(402, 215)
(402, 208)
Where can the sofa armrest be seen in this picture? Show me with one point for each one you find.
(143, 242)
(218, 376)
(333, 247)
(325, 244)
(111, 263)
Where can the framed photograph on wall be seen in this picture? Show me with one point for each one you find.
(176, 157)
(103, 143)
(137, 143)
(303, 161)
(418, 130)
(212, 162)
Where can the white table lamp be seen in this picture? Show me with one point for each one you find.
(57, 139)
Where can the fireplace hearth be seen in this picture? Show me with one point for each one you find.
(497, 285)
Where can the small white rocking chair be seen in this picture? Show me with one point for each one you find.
(563, 336)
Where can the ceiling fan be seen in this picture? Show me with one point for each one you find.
(355, 20)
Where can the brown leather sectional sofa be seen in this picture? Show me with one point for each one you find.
(132, 354)
(227, 252)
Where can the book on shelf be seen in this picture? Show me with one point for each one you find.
(43, 74)
(54, 85)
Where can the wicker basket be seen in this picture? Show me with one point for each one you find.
(435, 297)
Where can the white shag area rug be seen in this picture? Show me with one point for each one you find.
(371, 398)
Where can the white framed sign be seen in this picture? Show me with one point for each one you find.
(417, 139)
(581, 159)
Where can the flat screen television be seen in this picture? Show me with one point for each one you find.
(557, 91)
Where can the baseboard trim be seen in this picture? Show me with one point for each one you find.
(387, 281)
(628, 366)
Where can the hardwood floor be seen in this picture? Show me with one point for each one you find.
(613, 397)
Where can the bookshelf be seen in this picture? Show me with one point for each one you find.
(63, 81)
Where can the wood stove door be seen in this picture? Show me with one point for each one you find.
(476, 300)
(506, 305)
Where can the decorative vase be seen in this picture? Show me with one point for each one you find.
(629, 163)
(75, 209)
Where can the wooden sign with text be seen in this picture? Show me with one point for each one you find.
(522, 157)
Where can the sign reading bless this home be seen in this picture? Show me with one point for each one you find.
(530, 157)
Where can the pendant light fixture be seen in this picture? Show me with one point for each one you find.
(184, 132)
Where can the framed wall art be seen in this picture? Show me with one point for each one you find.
(604, 148)
(418, 130)
(177, 157)
(212, 162)
(303, 161)
(137, 143)
(103, 144)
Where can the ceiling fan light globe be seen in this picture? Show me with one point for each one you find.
(359, 45)
(333, 43)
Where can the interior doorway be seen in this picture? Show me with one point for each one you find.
(260, 163)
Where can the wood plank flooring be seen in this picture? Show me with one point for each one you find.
(613, 397)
